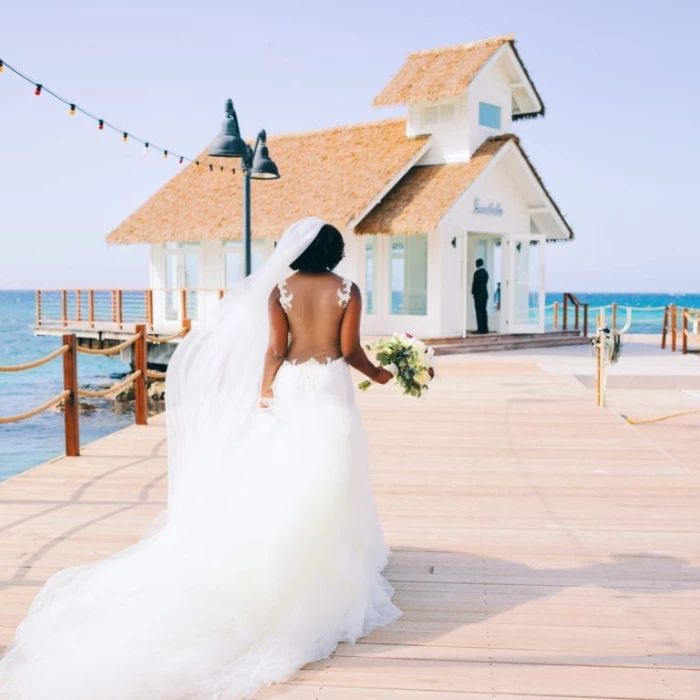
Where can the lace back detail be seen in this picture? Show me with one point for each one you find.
(285, 296)
(343, 293)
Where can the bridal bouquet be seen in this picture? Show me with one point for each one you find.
(409, 359)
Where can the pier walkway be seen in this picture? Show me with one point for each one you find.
(543, 547)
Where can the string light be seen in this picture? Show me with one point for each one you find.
(102, 124)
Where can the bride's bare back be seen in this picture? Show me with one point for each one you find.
(315, 315)
(315, 305)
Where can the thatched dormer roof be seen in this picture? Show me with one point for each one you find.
(436, 74)
(336, 174)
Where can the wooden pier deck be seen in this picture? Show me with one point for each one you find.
(543, 548)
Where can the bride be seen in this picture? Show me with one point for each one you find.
(270, 553)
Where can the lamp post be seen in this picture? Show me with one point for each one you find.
(256, 164)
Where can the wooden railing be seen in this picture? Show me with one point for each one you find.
(71, 391)
(689, 320)
(118, 307)
(580, 309)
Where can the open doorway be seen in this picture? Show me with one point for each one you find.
(489, 248)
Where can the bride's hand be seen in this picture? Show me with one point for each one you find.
(384, 376)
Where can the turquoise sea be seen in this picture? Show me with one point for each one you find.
(26, 444)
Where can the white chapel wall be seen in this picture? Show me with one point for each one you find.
(491, 86)
(494, 187)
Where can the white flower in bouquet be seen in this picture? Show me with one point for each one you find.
(409, 359)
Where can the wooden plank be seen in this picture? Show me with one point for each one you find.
(542, 548)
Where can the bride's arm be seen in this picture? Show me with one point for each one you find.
(350, 344)
(277, 344)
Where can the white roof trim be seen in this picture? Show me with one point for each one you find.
(390, 185)
(523, 82)
(548, 207)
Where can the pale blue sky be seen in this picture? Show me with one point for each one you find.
(618, 148)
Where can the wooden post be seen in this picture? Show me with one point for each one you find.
(141, 363)
(64, 307)
(183, 303)
(684, 332)
(614, 316)
(674, 327)
(91, 307)
(113, 299)
(149, 308)
(71, 406)
(38, 307)
(187, 325)
(221, 294)
(585, 320)
(120, 311)
(576, 324)
(78, 305)
(664, 330)
(566, 313)
(599, 368)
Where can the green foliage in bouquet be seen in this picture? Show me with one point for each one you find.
(412, 361)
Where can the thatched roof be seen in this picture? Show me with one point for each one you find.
(422, 198)
(335, 174)
(428, 76)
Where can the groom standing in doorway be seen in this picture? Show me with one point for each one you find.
(480, 292)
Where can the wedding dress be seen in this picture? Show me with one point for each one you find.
(271, 552)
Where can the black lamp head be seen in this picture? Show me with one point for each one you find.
(264, 168)
(229, 143)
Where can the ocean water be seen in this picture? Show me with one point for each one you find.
(647, 309)
(31, 442)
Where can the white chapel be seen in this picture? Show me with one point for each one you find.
(418, 199)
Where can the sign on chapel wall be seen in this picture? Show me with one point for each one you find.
(492, 208)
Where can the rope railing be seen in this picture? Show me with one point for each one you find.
(113, 350)
(35, 411)
(35, 363)
(610, 313)
(690, 327)
(168, 338)
(71, 392)
(155, 374)
(100, 393)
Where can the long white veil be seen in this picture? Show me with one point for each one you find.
(214, 376)
(244, 583)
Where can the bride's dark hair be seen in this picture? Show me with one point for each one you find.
(324, 253)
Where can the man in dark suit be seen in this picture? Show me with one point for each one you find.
(480, 292)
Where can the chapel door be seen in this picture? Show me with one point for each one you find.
(525, 284)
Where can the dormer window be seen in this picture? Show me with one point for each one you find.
(438, 114)
(489, 115)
